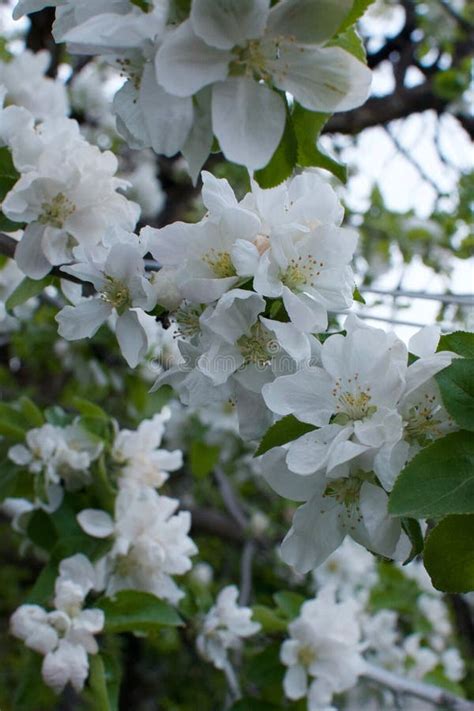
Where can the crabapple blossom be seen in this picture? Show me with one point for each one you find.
(138, 454)
(224, 627)
(26, 85)
(118, 275)
(352, 504)
(66, 635)
(244, 50)
(62, 209)
(323, 651)
(56, 455)
(150, 542)
(352, 397)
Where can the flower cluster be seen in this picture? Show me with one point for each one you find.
(248, 285)
(224, 627)
(65, 209)
(66, 635)
(217, 72)
(370, 412)
(57, 457)
(324, 644)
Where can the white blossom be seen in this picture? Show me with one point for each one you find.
(224, 627)
(56, 455)
(150, 542)
(352, 504)
(242, 50)
(65, 208)
(122, 286)
(26, 85)
(141, 460)
(323, 652)
(67, 634)
(352, 397)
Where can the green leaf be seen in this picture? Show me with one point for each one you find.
(203, 458)
(270, 620)
(144, 5)
(438, 481)
(413, 530)
(357, 296)
(32, 693)
(8, 173)
(282, 162)
(289, 603)
(449, 554)
(88, 408)
(7, 225)
(98, 684)
(13, 416)
(27, 289)
(393, 590)
(41, 530)
(285, 430)
(358, 9)
(265, 670)
(457, 389)
(11, 431)
(31, 412)
(352, 42)
(131, 611)
(308, 126)
(43, 589)
(460, 342)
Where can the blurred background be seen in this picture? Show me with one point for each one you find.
(410, 194)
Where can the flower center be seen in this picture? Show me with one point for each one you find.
(262, 243)
(250, 60)
(131, 69)
(56, 212)
(220, 263)
(187, 320)
(258, 346)
(346, 490)
(300, 273)
(352, 403)
(116, 293)
(306, 655)
(422, 423)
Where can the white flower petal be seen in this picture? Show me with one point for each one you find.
(29, 253)
(308, 21)
(131, 337)
(226, 23)
(83, 320)
(96, 523)
(185, 64)
(321, 79)
(295, 682)
(167, 118)
(68, 663)
(425, 341)
(248, 120)
(199, 141)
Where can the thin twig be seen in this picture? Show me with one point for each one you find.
(231, 502)
(246, 572)
(419, 689)
(408, 157)
(462, 299)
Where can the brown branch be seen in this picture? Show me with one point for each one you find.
(40, 37)
(214, 522)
